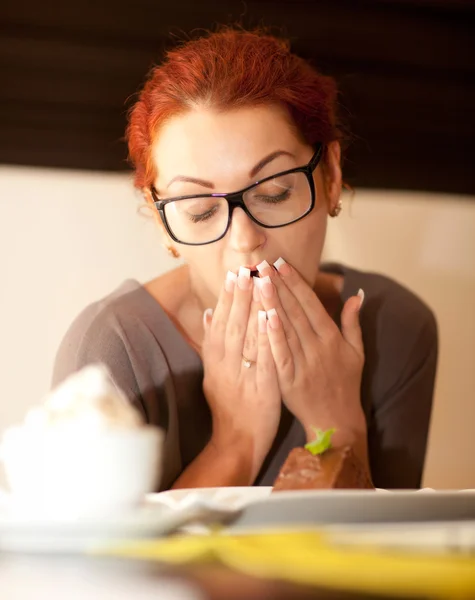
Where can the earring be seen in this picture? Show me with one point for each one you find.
(173, 251)
(337, 210)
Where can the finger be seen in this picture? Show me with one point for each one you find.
(265, 366)
(350, 322)
(270, 300)
(293, 316)
(215, 333)
(283, 357)
(316, 313)
(239, 316)
(276, 295)
(251, 338)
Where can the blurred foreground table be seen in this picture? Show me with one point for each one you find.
(24, 577)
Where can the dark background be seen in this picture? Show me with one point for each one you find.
(69, 70)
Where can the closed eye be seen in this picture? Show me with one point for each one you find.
(200, 218)
(285, 195)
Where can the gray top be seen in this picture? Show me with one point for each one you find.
(162, 375)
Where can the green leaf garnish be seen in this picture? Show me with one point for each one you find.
(321, 443)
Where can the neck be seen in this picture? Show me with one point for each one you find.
(195, 299)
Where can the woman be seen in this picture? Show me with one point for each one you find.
(241, 351)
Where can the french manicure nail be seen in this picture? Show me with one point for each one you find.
(266, 287)
(262, 321)
(244, 278)
(207, 315)
(281, 266)
(360, 295)
(230, 282)
(262, 266)
(273, 318)
(244, 272)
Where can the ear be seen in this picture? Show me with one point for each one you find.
(332, 175)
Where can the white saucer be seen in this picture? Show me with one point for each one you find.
(20, 533)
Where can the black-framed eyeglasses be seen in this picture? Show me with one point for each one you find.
(276, 201)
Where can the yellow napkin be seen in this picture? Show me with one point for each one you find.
(309, 558)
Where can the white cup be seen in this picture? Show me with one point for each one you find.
(66, 473)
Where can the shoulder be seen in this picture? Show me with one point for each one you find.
(110, 316)
(395, 314)
(387, 303)
(399, 329)
(389, 307)
(109, 331)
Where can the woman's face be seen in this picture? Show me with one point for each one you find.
(204, 151)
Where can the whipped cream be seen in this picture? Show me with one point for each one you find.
(84, 450)
(87, 400)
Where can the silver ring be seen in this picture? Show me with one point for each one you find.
(246, 362)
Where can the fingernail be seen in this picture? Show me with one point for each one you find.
(244, 278)
(273, 318)
(207, 315)
(262, 321)
(230, 282)
(282, 266)
(360, 295)
(262, 266)
(267, 288)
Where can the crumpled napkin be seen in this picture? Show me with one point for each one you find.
(311, 558)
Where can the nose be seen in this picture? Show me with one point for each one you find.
(245, 236)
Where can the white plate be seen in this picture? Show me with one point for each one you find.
(263, 510)
(328, 507)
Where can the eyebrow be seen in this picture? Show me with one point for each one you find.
(202, 182)
(265, 161)
(253, 172)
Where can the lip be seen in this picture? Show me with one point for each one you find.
(250, 267)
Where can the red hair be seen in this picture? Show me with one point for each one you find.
(226, 70)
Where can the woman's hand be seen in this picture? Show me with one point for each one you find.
(318, 367)
(245, 402)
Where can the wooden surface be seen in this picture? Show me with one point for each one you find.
(69, 70)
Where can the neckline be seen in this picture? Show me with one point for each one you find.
(133, 286)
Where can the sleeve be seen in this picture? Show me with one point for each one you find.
(137, 365)
(100, 339)
(399, 425)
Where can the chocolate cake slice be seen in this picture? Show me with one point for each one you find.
(319, 466)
